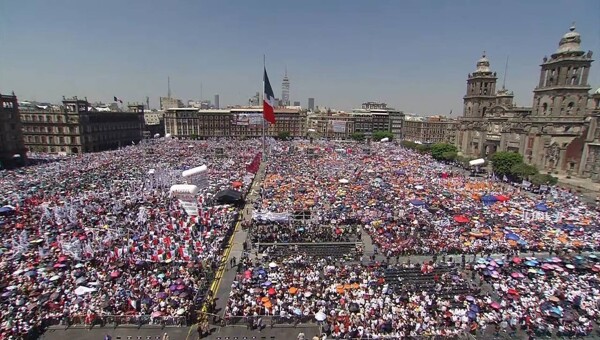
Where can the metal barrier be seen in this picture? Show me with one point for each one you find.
(117, 320)
(266, 320)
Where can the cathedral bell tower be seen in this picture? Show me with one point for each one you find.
(563, 86)
(481, 90)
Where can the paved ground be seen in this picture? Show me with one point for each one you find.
(226, 333)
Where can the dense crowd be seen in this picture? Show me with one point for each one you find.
(98, 235)
(410, 204)
(554, 295)
(350, 300)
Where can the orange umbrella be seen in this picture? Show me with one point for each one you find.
(293, 290)
(264, 299)
(268, 304)
(236, 184)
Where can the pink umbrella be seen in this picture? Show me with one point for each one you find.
(495, 305)
(517, 275)
(156, 314)
(114, 274)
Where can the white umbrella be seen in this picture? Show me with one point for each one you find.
(320, 316)
(272, 265)
(54, 278)
(343, 181)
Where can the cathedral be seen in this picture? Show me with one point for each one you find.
(559, 133)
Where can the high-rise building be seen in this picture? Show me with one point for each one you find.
(169, 103)
(311, 104)
(254, 100)
(296, 103)
(217, 105)
(285, 90)
(12, 148)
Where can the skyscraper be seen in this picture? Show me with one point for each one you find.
(285, 90)
(311, 104)
(217, 101)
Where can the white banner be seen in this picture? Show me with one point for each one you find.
(338, 126)
(271, 216)
(188, 202)
(245, 119)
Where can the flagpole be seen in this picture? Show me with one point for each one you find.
(263, 120)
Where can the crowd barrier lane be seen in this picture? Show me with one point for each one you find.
(117, 320)
(267, 320)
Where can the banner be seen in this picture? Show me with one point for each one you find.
(271, 216)
(188, 203)
(246, 119)
(186, 194)
(338, 126)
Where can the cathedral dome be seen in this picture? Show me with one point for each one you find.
(483, 64)
(570, 42)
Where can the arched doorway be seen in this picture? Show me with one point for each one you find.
(74, 150)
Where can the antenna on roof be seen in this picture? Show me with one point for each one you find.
(168, 87)
(505, 71)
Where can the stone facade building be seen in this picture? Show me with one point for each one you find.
(434, 129)
(75, 128)
(364, 121)
(237, 123)
(12, 148)
(554, 133)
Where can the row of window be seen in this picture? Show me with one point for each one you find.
(43, 118)
(51, 129)
(51, 140)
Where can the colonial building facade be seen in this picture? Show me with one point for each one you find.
(12, 148)
(555, 134)
(430, 129)
(238, 123)
(76, 128)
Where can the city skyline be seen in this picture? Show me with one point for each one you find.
(333, 52)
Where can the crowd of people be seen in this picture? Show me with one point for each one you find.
(553, 295)
(349, 300)
(411, 205)
(98, 237)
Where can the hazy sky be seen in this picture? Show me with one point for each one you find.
(414, 55)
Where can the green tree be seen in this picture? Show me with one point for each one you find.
(358, 136)
(546, 179)
(439, 150)
(424, 148)
(379, 135)
(523, 171)
(283, 135)
(449, 155)
(503, 161)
